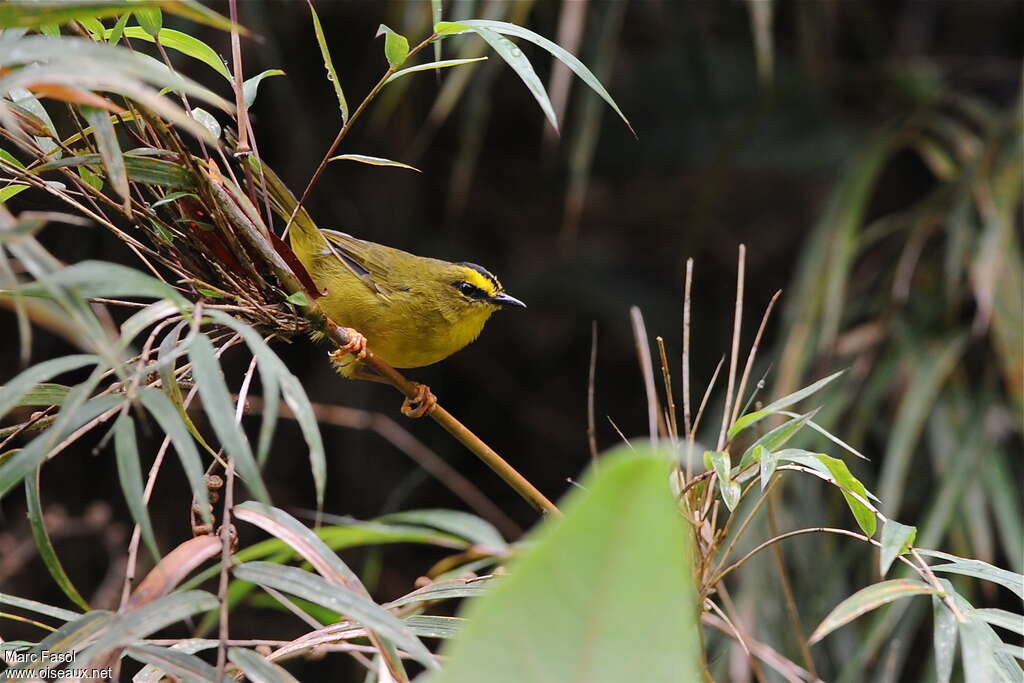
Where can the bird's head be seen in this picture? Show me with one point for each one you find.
(478, 290)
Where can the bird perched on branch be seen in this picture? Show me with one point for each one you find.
(412, 311)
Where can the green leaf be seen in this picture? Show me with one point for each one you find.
(129, 471)
(110, 151)
(45, 395)
(768, 463)
(440, 64)
(105, 279)
(774, 407)
(130, 626)
(462, 524)
(182, 665)
(777, 438)
(618, 615)
(943, 639)
(426, 626)
(458, 588)
(332, 74)
(837, 472)
(38, 607)
(1002, 619)
(11, 191)
(352, 604)
(173, 196)
(897, 539)
(515, 58)
(140, 169)
(37, 14)
(221, 413)
(868, 599)
(251, 86)
(117, 32)
(10, 158)
(43, 544)
(722, 465)
(257, 668)
(90, 178)
(299, 298)
(396, 46)
(183, 43)
(151, 20)
(69, 637)
(556, 51)
(167, 416)
(450, 28)
(207, 121)
(373, 161)
(977, 569)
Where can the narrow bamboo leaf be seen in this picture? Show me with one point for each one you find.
(301, 539)
(837, 472)
(104, 279)
(515, 58)
(273, 374)
(129, 471)
(777, 438)
(977, 652)
(167, 416)
(427, 626)
(251, 86)
(44, 545)
(38, 607)
(132, 625)
(139, 168)
(332, 74)
(868, 599)
(774, 407)
(10, 158)
(183, 665)
(593, 555)
(768, 463)
(173, 196)
(68, 638)
(396, 46)
(352, 604)
(207, 121)
(373, 161)
(896, 539)
(722, 465)
(441, 64)
(154, 674)
(457, 588)
(151, 19)
(36, 14)
(183, 43)
(45, 395)
(943, 639)
(558, 52)
(462, 524)
(110, 151)
(90, 178)
(1002, 619)
(221, 412)
(977, 569)
(117, 32)
(11, 191)
(257, 668)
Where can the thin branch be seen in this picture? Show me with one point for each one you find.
(750, 358)
(591, 425)
(737, 324)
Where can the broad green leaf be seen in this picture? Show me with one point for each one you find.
(868, 599)
(332, 74)
(182, 665)
(301, 539)
(777, 438)
(462, 524)
(837, 471)
(352, 604)
(896, 539)
(251, 86)
(117, 32)
(373, 161)
(94, 26)
(441, 64)
(167, 416)
(220, 410)
(977, 569)
(618, 615)
(943, 639)
(515, 58)
(183, 43)
(37, 14)
(43, 544)
(450, 28)
(38, 607)
(129, 470)
(90, 178)
(257, 668)
(396, 46)
(273, 374)
(132, 625)
(110, 151)
(105, 279)
(11, 191)
(775, 406)
(558, 52)
(151, 20)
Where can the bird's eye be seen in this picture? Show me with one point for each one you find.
(470, 290)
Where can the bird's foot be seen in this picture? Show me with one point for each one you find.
(421, 404)
(356, 347)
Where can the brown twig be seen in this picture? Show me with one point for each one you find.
(737, 324)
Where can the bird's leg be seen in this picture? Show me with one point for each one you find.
(421, 404)
(356, 346)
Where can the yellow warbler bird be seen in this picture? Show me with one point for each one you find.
(412, 311)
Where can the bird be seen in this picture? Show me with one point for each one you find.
(411, 310)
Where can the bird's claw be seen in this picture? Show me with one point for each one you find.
(421, 404)
(356, 346)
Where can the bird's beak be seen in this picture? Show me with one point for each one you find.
(504, 300)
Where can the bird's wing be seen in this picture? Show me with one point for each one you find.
(358, 257)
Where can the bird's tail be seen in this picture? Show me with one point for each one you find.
(304, 235)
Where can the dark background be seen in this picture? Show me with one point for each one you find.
(721, 159)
